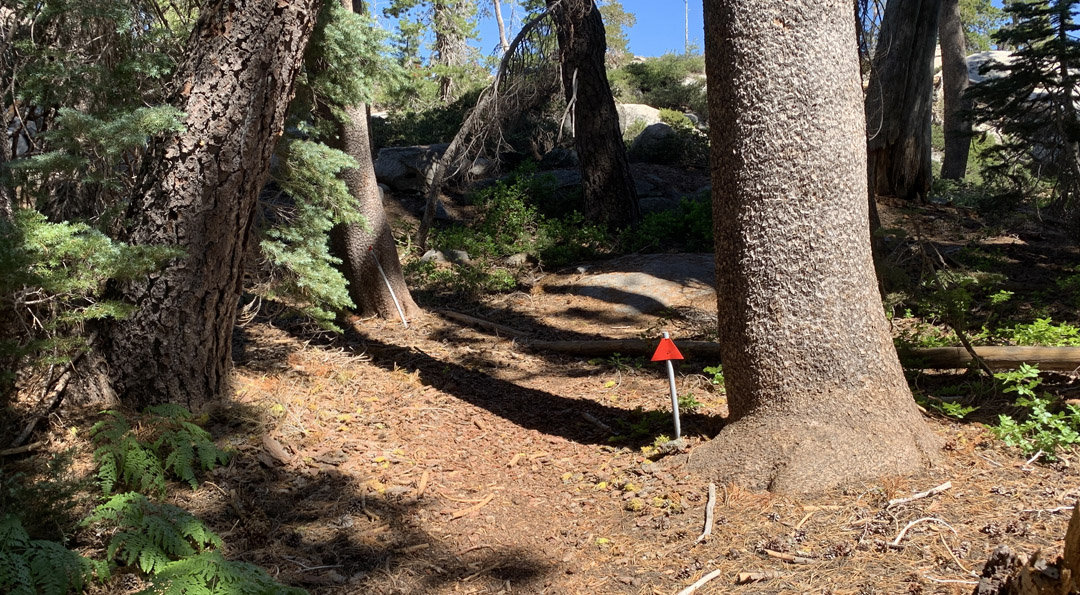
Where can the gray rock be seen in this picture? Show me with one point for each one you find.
(656, 144)
(636, 112)
(434, 256)
(405, 169)
(383, 191)
(559, 158)
(440, 212)
(458, 256)
(517, 260)
(482, 167)
(564, 178)
(977, 61)
(446, 256)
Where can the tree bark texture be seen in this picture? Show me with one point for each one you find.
(450, 46)
(954, 83)
(358, 245)
(898, 100)
(607, 185)
(199, 192)
(815, 390)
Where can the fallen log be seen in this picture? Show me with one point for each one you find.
(998, 357)
(944, 358)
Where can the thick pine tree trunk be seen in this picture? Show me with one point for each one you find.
(359, 245)
(815, 390)
(607, 185)
(898, 100)
(954, 82)
(199, 191)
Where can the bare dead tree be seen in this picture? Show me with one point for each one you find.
(528, 76)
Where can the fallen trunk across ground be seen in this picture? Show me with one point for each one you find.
(997, 357)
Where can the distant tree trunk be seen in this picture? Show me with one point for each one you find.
(199, 190)
(954, 83)
(502, 28)
(450, 46)
(607, 185)
(898, 100)
(358, 245)
(816, 394)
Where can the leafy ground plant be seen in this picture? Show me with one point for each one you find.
(1041, 430)
(172, 444)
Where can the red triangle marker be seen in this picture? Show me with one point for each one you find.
(666, 350)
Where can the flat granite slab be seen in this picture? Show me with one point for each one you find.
(645, 283)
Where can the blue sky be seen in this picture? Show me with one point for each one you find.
(659, 27)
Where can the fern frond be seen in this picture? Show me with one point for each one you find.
(151, 535)
(40, 566)
(210, 573)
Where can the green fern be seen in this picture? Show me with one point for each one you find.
(189, 446)
(209, 573)
(40, 566)
(151, 535)
(124, 459)
(174, 445)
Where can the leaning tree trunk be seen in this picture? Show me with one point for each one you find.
(898, 100)
(954, 83)
(364, 247)
(815, 391)
(198, 192)
(607, 185)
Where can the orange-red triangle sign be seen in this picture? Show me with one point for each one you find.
(666, 350)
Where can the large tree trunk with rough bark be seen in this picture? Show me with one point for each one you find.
(199, 192)
(364, 247)
(815, 391)
(898, 100)
(954, 83)
(607, 185)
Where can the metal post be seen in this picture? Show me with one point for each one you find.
(674, 395)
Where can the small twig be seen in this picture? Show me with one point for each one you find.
(917, 521)
(988, 460)
(803, 520)
(955, 559)
(950, 580)
(931, 492)
(708, 514)
(788, 557)
(1037, 510)
(473, 508)
(1027, 464)
(308, 568)
(596, 422)
(420, 487)
(18, 450)
(750, 577)
(701, 581)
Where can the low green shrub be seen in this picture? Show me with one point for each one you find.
(685, 229)
(1041, 430)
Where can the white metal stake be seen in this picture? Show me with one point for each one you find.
(674, 394)
(397, 304)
